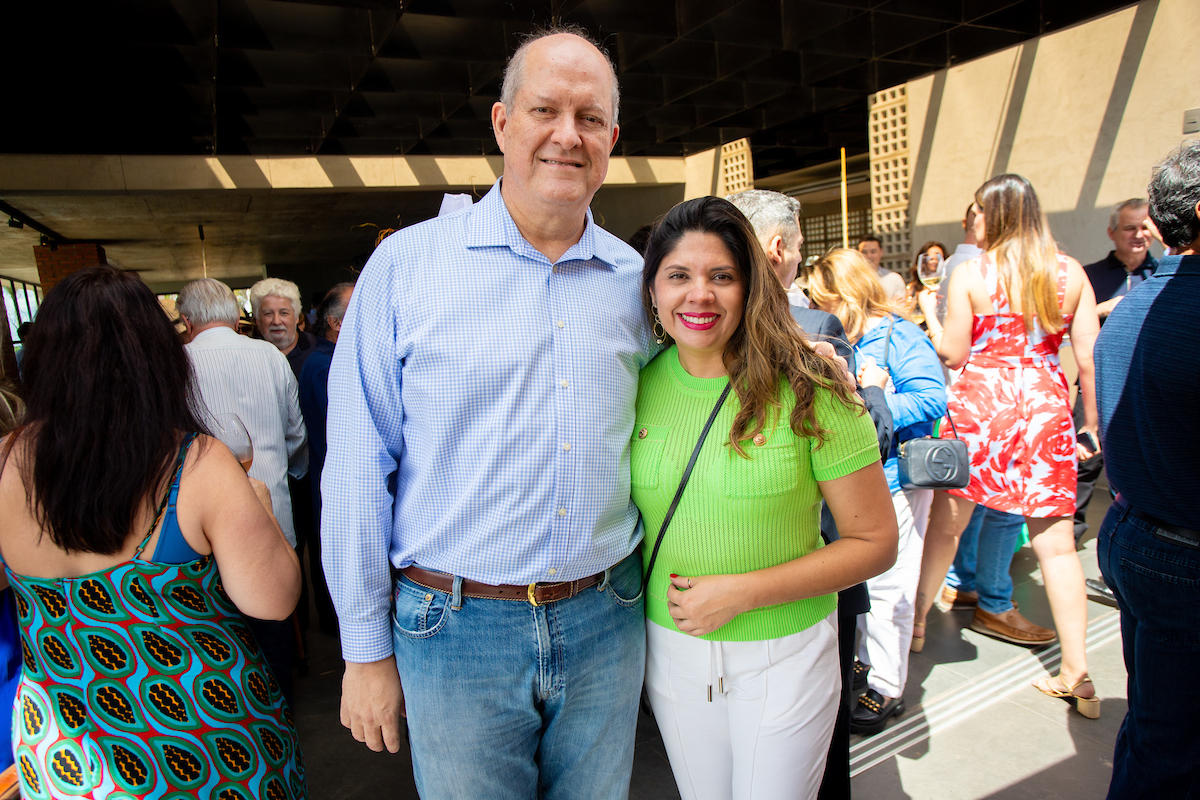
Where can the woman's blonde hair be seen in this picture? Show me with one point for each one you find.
(1019, 241)
(767, 344)
(844, 280)
(12, 407)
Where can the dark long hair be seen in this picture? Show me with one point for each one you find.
(110, 391)
(767, 344)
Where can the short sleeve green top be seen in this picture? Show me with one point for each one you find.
(736, 515)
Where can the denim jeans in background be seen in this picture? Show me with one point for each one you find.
(985, 554)
(508, 700)
(1157, 584)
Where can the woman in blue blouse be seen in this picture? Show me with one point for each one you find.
(894, 354)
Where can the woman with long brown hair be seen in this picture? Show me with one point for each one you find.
(742, 662)
(1007, 313)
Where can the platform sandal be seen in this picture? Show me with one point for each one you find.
(1087, 706)
(918, 642)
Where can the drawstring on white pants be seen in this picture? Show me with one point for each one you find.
(714, 649)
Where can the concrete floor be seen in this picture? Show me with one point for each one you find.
(974, 728)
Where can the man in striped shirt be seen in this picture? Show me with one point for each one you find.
(479, 450)
(250, 378)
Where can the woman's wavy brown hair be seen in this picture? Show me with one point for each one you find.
(1019, 240)
(844, 281)
(767, 345)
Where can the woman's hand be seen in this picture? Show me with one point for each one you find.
(927, 302)
(700, 605)
(263, 493)
(827, 350)
(870, 374)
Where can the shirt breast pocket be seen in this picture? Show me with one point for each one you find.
(770, 470)
(645, 455)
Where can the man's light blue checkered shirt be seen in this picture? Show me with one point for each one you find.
(480, 410)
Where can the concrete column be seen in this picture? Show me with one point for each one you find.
(55, 264)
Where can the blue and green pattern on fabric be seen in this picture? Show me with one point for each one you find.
(142, 681)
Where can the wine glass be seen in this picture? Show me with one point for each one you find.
(931, 269)
(230, 429)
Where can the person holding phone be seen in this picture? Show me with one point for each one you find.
(1007, 314)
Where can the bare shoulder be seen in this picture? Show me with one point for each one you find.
(208, 459)
(1073, 266)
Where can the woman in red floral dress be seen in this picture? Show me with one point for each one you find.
(1007, 313)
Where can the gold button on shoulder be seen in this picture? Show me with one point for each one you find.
(760, 440)
(643, 433)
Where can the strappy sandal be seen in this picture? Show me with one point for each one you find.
(918, 642)
(1087, 706)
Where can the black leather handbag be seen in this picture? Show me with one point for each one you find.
(929, 463)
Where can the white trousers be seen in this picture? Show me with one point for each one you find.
(765, 732)
(887, 630)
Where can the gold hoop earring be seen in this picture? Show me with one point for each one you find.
(660, 333)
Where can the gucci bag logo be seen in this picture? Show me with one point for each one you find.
(929, 463)
(941, 463)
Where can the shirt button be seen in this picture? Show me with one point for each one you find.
(760, 440)
(566, 445)
(552, 571)
(562, 324)
(562, 512)
(643, 433)
(564, 384)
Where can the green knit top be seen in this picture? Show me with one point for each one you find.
(736, 515)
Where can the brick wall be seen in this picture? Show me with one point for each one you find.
(54, 265)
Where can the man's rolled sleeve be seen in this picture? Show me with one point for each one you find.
(365, 445)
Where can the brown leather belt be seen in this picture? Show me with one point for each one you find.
(537, 594)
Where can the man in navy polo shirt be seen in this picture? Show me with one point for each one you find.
(1112, 277)
(1147, 385)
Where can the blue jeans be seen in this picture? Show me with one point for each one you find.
(508, 700)
(1157, 584)
(985, 553)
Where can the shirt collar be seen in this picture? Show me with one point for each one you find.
(496, 228)
(1178, 265)
(217, 332)
(1151, 263)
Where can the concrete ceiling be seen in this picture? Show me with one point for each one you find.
(331, 77)
(339, 79)
(157, 234)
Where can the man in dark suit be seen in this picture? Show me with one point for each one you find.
(776, 221)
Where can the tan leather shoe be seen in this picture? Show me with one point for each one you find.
(952, 598)
(1011, 627)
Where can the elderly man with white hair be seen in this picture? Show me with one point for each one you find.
(242, 376)
(277, 308)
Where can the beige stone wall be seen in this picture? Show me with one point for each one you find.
(1083, 113)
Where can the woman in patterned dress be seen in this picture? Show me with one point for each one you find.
(140, 678)
(1007, 312)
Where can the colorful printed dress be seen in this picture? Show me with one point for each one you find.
(142, 680)
(1011, 407)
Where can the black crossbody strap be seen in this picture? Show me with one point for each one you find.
(887, 343)
(687, 473)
